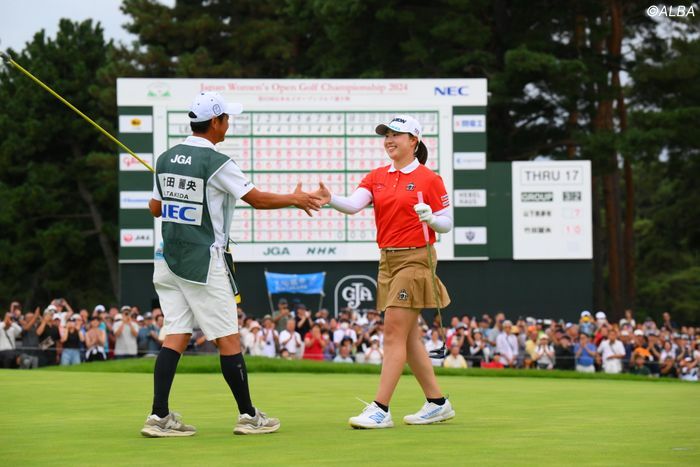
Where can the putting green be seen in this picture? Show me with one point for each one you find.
(78, 418)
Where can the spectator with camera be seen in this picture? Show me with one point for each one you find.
(270, 338)
(126, 331)
(313, 343)
(374, 355)
(49, 336)
(479, 350)
(303, 320)
(8, 347)
(564, 354)
(544, 354)
(95, 339)
(255, 342)
(71, 338)
(30, 338)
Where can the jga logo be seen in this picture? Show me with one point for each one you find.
(356, 292)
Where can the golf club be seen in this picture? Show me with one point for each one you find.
(442, 351)
(10, 61)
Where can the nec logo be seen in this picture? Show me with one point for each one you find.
(452, 91)
(182, 213)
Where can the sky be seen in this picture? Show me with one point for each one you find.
(21, 19)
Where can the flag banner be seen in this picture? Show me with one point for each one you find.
(295, 283)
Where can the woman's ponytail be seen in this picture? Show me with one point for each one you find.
(421, 153)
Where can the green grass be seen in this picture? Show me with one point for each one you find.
(210, 364)
(93, 418)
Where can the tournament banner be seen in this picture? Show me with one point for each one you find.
(295, 283)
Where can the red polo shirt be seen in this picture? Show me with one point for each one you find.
(394, 193)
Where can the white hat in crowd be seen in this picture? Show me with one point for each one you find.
(100, 308)
(208, 105)
(600, 315)
(585, 313)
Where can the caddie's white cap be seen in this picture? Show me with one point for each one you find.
(208, 105)
(401, 124)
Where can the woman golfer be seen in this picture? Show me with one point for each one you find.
(405, 284)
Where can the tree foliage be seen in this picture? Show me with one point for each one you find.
(597, 79)
(53, 167)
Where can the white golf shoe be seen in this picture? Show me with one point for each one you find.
(431, 413)
(372, 417)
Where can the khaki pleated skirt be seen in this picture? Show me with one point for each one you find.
(405, 281)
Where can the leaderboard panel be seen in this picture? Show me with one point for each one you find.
(309, 131)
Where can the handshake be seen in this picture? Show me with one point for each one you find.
(311, 201)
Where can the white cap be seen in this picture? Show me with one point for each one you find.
(638, 332)
(401, 124)
(208, 105)
(600, 315)
(139, 318)
(100, 308)
(585, 313)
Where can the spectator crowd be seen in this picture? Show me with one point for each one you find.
(61, 335)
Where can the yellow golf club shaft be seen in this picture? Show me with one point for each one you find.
(9, 60)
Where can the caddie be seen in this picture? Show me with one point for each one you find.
(195, 193)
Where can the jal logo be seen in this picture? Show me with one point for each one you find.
(356, 292)
(180, 159)
(451, 90)
(136, 237)
(410, 187)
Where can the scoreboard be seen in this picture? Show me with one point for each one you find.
(323, 130)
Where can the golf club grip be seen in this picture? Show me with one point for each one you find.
(425, 226)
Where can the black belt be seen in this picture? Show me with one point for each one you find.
(402, 248)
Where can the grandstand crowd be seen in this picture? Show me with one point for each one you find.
(59, 334)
